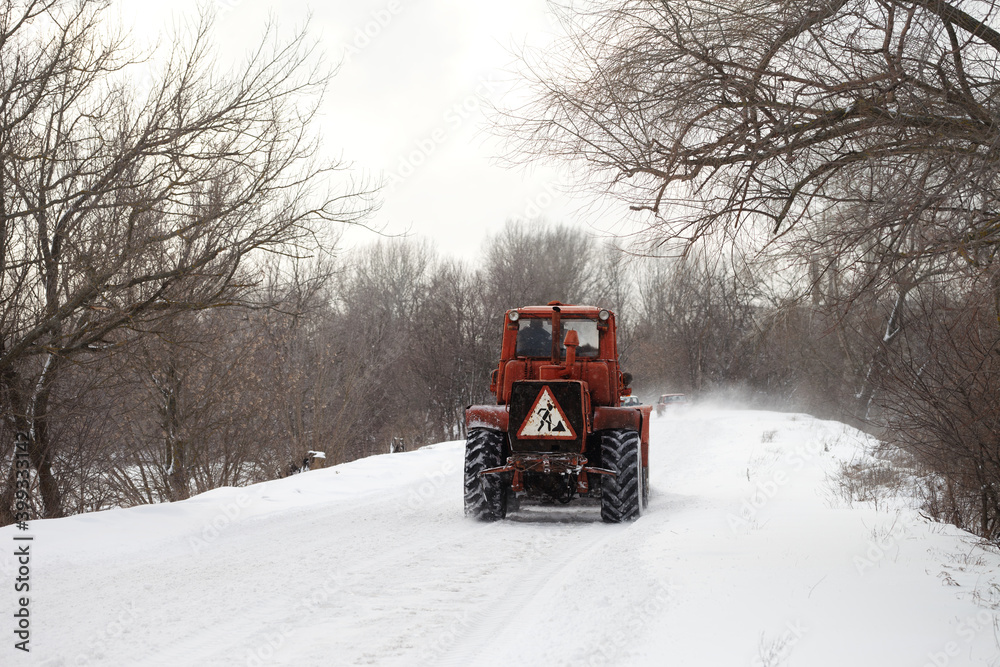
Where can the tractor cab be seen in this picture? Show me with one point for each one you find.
(560, 342)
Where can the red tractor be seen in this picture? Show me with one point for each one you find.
(558, 430)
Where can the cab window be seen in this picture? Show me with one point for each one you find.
(590, 340)
(534, 338)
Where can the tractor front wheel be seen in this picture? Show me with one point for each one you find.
(621, 494)
(485, 495)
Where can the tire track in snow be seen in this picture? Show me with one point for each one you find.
(572, 546)
(335, 570)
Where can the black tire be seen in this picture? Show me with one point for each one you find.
(622, 494)
(485, 495)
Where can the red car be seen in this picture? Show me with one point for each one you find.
(673, 400)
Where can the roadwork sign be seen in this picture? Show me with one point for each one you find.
(546, 420)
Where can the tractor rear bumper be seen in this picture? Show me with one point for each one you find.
(548, 464)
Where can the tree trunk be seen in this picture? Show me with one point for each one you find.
(177, 476)
(178, 483)
(39, 445)
(29, 418)
(7, 493)
(880, 359)
(40, 455)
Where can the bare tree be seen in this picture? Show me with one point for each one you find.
(696, 319)
(942, 401)
(120, 207)
(379, 298)
(531, 263)
(453, 349)
(772, 117)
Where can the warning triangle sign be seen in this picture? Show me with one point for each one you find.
(546, 420)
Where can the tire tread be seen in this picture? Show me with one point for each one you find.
(622, 494)
(485, 496)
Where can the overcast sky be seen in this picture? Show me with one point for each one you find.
(406, 105)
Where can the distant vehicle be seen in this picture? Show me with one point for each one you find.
(630, 401)
(672, 400)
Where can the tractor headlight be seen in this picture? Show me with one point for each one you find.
(603, 315)
(513, 316)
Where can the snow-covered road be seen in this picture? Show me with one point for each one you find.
(746, 556)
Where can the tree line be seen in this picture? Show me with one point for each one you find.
(350, 353)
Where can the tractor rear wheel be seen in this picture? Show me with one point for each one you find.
(485, 495)
(621, 494)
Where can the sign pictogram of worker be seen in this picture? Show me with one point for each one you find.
(546, 420)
